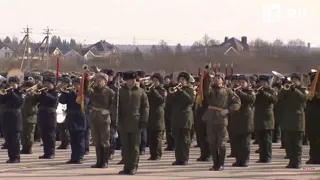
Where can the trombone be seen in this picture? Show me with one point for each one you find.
(287, 86)
(5, 91)
(148, 88)
(175, 88)
(30, 89)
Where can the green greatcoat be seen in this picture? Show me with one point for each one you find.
(182, 121)
(156, 123)
(133, 116)
(293, 122)
(29, 113)
(100, 119)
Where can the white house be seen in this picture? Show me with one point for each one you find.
(72, 55)
(6, 51)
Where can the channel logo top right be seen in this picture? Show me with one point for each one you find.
(274, 13)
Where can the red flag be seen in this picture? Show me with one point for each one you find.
(314, 83)
(199, 98)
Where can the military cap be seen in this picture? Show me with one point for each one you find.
(296, 76)
(109, 72)
(253, 78)
(66, 80)
(65, 75)
(243, 77)
(141, 74)
(157, 76)
(14, 79)
(38, 77)
(50, 79)
(102, 75)
(220, 74)
(235, 77)
(28, 84)
(184, 75)
(264, 78)
(76, 80)
(130, 75)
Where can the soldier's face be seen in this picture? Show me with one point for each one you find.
(234, 83)
(243, 83)
(14, 85)
(156, 81)
(76, 85)
(217, 80)
(296, 81)
(183, 81)
(166, 81)
(101, 82)
(48, 85)
(131, 82)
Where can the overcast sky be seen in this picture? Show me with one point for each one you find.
(175, 21)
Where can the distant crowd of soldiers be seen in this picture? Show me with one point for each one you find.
(132, 112)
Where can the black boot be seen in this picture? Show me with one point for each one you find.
(215, 161)
(99, 158)
(105, 157)
(221, 159)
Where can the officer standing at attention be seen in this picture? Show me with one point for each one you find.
(29, 113)
(167, 114)
(264, 118)
(133, 117)
(37, 134)
(62, 127)
(156, 126)
(12, 101)
(182, 118)
(294, 100)
(76, 122)
(101, 97)
(47, 116)
(241, 123)
(221, 101)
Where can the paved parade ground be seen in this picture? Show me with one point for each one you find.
(33, 168)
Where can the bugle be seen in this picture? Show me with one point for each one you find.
(287, 86)
(258, 89)
(5, 91)
(148, 88)
(175, 88)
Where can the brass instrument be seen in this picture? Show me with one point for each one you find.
(67, 89)
(287, 86)
(30, 89)
(237, 88)
(144, 79)
(41, 90)
(174, 89)
(258, 89)
(148, 88)
(5, 91)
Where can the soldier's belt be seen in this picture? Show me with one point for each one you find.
(215, 108)
(98, 109)
(102, 110)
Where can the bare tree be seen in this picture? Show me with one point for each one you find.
(7, 40)
(178, 49)
(278, 43)
(296, 43)
(259, 43)
(163, 47)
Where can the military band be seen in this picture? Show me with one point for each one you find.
(138, 110)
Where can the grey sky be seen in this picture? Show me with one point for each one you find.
(184, 21)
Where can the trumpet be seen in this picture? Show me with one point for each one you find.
(237, 88)
(174, 89)
(41, 90)
(5, 91)
(144, 79)
(67, 89)
(30, 89)
(258, 89)
(148, 88)
(287, 86)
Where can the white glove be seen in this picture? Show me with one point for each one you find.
(116, 135)
(224, 112)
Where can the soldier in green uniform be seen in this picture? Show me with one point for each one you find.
(62, 127)
(221, 102)
(182, 118)
(234, 84)
(241, 123)
(276, 134)
(133, 117)
(37, 135)
(264, 118)
(101, 97)
(29, 113)
(313, 124)
(294, 100)
(156, 96)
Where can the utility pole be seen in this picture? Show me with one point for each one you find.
(46, 48)
(27, 49)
